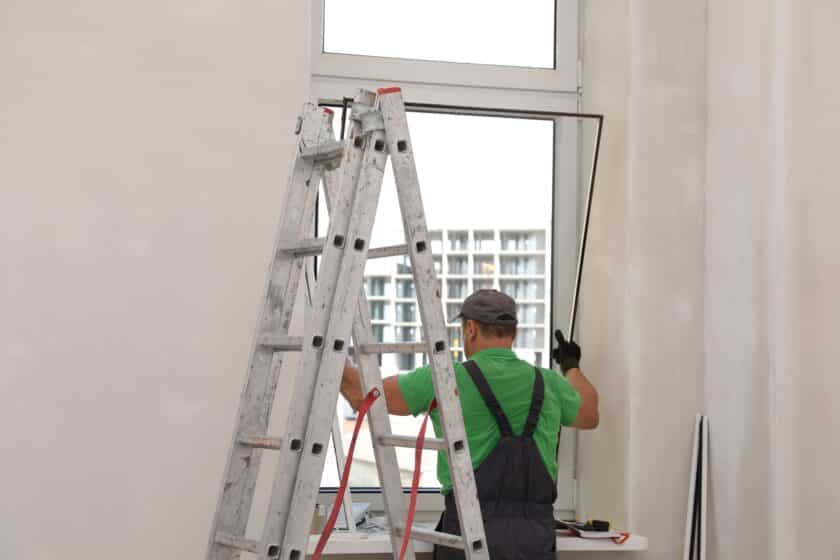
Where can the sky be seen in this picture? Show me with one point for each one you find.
(474, 172)
(505, 36)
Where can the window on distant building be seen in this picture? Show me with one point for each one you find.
(484, 265)
(377, 310)
(484, 241)
(375, 286)
(405, 288)
(457, 264)
(405, 313)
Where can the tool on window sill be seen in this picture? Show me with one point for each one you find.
(593, 529)
(595, 525)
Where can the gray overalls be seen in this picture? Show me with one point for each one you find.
(515, 490)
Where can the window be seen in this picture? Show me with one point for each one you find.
(482, 284)
(458, 240)
(405, 313)
(457, 264)
(375, 286)
(532, 46)
(406, 334)
(405, 288)
(530, 290)
(456, 289)
(484, 241)
(377, 310)
(496, 142)
(484, 265)
(406, 362)
(491, 245)
(530, 313)
(529, 337)
(464, 31)
(404, 267)
(514, 266)
(378, 333)
(454, 337)
(479, 201)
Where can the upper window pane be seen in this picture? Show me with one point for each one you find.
(496, 32)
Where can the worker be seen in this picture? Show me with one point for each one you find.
(512, 412)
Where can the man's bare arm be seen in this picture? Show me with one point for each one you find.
(588, 417)
(351, 388)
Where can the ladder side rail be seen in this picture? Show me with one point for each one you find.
(257, 397)
(429, 299)
(337, 340)
(378, 421)
(315, 347)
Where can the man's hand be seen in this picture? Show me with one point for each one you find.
(351, 385)
(567, 353)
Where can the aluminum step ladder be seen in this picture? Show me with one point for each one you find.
(352, 173)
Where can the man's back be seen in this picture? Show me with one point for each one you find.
(512, 382)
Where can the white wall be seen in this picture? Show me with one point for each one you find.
(714, 262)
(143, 150)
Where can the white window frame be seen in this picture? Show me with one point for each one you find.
(562, 78)
(471, 87)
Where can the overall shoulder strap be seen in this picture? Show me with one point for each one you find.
(536, 404)
(489, 398)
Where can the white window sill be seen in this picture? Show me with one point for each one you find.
(379, 543)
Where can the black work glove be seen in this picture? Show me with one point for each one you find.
(567, 353)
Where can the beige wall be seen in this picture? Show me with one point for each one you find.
(143, 149)
(714, 264)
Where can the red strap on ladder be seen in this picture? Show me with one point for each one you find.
(415, 481)
(345, 476)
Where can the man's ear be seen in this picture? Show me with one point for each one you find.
(469, 329)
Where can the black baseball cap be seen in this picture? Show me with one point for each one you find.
(490, 307)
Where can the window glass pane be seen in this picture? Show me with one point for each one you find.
(405, 313)
(484, 265)
(458, 240)
(484, 241)
(483, 284)
(496, 32)
(457, 264)
(476, 215)
(405, 288)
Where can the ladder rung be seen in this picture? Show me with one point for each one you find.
(411, 442)
(281, 343)
(239, 543)
(387, 251)
(434, 537)
(325, 152)
(315, 246)
(393, 348)
(260, 441)
(304, 247)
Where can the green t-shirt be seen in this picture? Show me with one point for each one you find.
(512, 382)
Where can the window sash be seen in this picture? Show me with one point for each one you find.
(564, 77)
(530, 104)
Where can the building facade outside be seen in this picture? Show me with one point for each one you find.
(514, 261)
